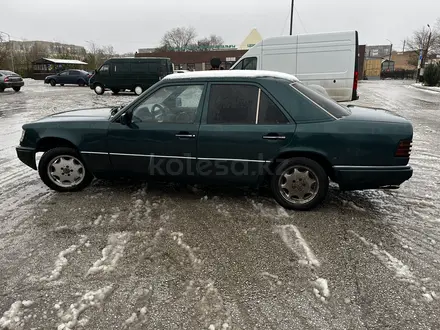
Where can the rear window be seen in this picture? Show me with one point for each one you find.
(327, 103)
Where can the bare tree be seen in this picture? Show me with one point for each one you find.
(179, 39)
(96, 55)
(425, 41)
(210, 43)
(5, 53)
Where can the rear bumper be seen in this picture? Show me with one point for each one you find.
(27, 156)
(11, 84)
(371, 177)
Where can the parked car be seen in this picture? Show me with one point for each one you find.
(133, 73)
(72, 77)
(9, 79)
(226, 127)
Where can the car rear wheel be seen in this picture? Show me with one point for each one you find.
(81, 82)
(53, 82)
(138, 90)
(17, 89)
(299, 183)
(2, 89)
(63, 170)
(99, 89)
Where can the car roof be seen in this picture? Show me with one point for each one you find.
(224, 74)
(7, 72)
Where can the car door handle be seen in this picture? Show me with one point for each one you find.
(274, 137)
(185, 135)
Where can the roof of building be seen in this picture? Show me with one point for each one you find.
(231, 74)
(57, 61)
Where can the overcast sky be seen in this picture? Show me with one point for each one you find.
(132, 24)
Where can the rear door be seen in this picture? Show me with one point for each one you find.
(243, 128)
(74, 76)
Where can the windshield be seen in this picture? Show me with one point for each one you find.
(320, 97)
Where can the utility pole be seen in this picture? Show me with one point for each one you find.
(12, 52)
(403, 50)
(291, 17)
(424, 54)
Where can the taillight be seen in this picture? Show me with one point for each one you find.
(6, 79)
(404, 148)
(355, 81)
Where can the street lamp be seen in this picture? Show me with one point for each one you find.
(12, 53)
(291, 16)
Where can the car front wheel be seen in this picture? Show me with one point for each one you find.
(299, 183)
(138, 90)
(63, 170)
(53, 82)
(99, 89)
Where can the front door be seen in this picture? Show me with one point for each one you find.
(161, 139)
(64, 77)
(242, 131)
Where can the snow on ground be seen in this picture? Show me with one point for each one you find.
(293, 239)
(12, 318)
(111, 253)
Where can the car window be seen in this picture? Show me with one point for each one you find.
(232, 104)
(171, 104)
(139, 67)
(121, 68)
(104, 69)
(249, 63)
(73, 73)
(328, 104)
(269, 113)
(64, 73)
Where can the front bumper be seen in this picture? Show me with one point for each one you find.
(27, 156)
(371, 177)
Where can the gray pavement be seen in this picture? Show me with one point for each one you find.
(122, 255)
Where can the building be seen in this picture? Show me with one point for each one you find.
(378, 51)
(198, 59)
(49, 49)
(405, 60)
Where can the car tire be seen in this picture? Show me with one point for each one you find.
(299, 183)
(138, 90)
(115, 91)
(2, 89)
(61, 84)
(53, 82)
(63, 170)
(16, 89)
(81, 83)
(99, 89)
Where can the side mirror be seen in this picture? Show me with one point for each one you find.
(125, 119)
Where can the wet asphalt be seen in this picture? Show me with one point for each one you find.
(132, 255)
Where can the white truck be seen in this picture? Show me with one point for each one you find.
(329, 60)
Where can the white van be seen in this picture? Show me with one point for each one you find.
(329, 60)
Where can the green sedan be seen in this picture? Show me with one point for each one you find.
(247, 128)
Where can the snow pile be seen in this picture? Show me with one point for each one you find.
(271, 278)
(178, 238)
(62, 261)
(12, 318)
(293, 239)
(321, 289)
(111, 253)
(71, 316)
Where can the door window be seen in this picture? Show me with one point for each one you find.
(64, 73)
(121, 68)
(269, 113)
(249, 63)
(171, 104)
(232, 104)
(104, 69)
(74, 73)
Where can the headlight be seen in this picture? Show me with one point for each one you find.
(22, 135)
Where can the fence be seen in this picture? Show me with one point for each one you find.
(398, 74)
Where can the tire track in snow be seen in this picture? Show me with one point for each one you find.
(401, 271)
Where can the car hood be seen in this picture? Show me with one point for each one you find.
(361, 113)
(94, 114)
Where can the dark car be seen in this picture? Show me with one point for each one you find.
(72, 77)
(133, 73)
(230, 127)
(9, 79)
